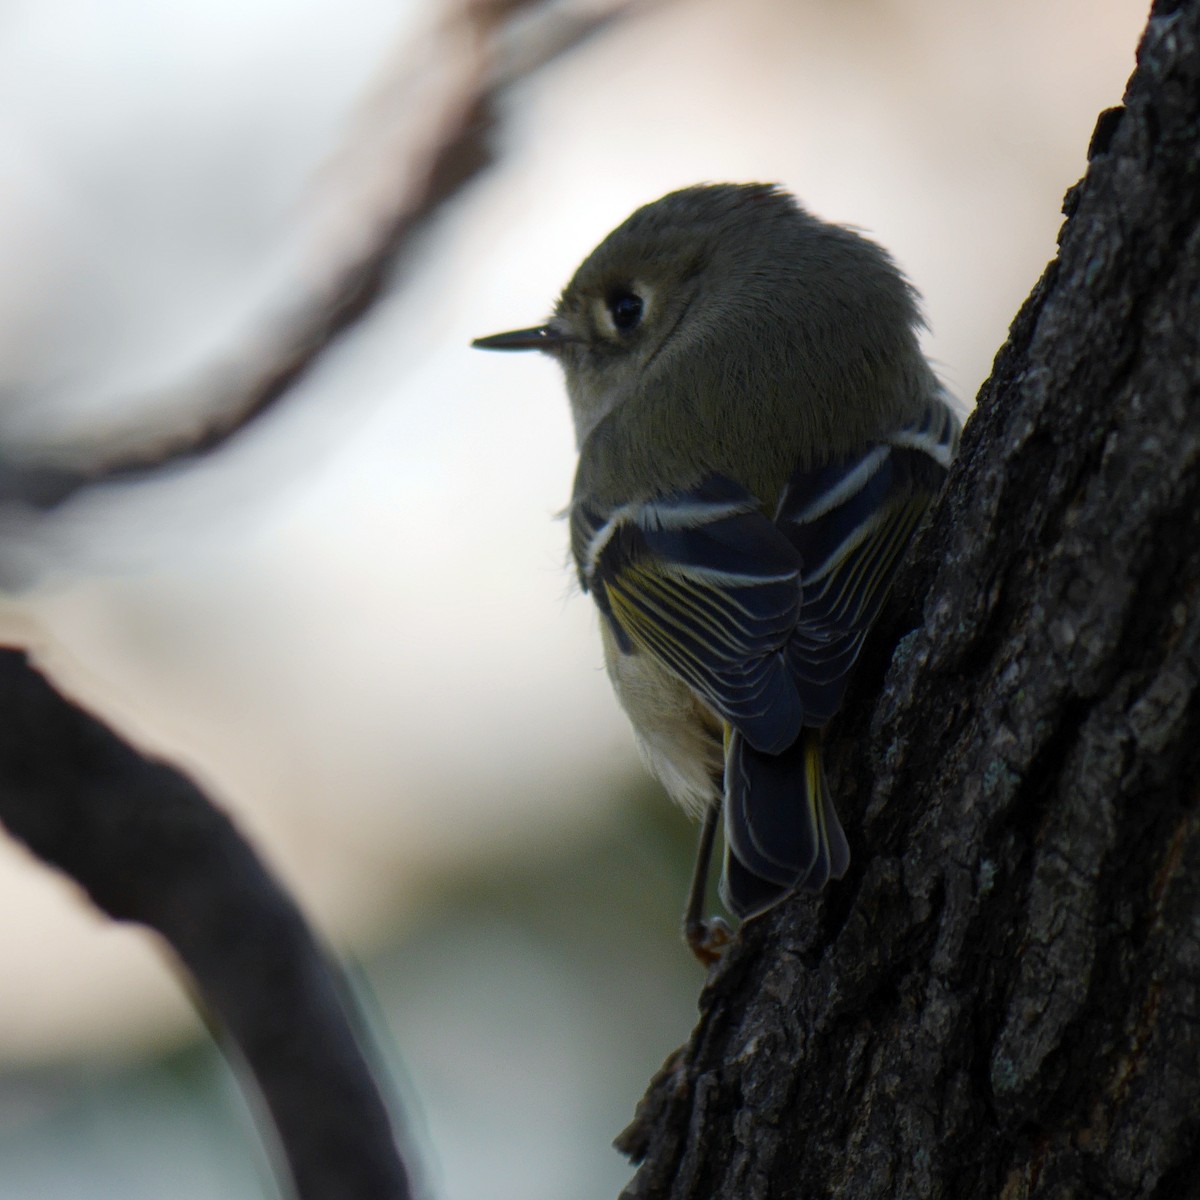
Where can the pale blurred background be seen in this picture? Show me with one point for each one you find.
(355, 624)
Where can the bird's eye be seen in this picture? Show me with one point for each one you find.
(626, 310)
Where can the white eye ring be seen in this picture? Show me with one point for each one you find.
(622, 310)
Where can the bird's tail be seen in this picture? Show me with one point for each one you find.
(781, 829)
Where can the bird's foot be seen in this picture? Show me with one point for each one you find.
(708, 939)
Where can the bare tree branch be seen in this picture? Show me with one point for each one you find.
(148, 846)
(424, 137)
(137, 834)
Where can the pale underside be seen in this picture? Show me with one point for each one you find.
(679, 737)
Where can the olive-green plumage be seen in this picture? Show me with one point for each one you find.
(758, 435)
(770, 339)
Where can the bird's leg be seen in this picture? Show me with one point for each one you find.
(707, 937)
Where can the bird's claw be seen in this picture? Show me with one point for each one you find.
(708, 939)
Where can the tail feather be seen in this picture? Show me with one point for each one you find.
(781, 829)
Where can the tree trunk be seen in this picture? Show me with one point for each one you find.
(1002, 999)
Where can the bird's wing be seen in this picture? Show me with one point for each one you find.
(850, 521)
(705, 582)
(764, 619)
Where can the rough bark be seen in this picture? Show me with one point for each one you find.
(1002, 999)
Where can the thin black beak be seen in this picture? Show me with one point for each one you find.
(542, 337)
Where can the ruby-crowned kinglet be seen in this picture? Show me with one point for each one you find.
(759, 434)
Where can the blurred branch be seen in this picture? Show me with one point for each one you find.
(145, 843)
(424, 136)
(148, 846)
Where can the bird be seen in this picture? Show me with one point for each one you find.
(759, 434)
